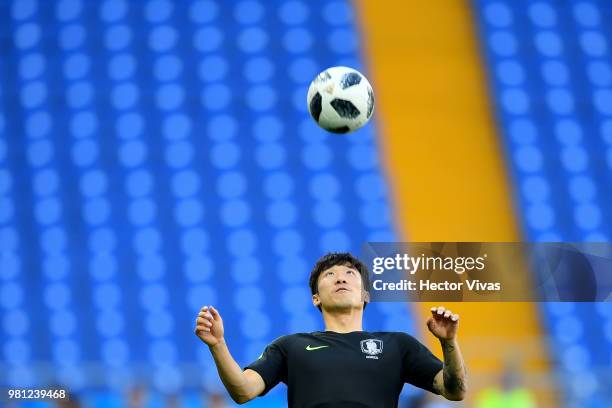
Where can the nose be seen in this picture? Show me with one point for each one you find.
(341, 279)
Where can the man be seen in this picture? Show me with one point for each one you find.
(342, 366)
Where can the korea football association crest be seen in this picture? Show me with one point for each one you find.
(372, 348)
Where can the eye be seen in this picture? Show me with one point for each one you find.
(350, 271)
(329, 273)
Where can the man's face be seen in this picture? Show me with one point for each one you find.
(340, 287)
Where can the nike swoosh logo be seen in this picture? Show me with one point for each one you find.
(309, 348)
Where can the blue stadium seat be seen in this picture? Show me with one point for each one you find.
(549, 65)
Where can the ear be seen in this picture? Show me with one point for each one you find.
(316, 301)
(366, 296)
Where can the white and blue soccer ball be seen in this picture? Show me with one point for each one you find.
(340, 100)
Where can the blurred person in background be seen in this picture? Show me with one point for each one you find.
(424, 400)
(137, 396)
(343, 365)
(215, 400)
(173, 400)
(72, 402)
(509, 394)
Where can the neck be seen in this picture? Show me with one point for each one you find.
(343, 321)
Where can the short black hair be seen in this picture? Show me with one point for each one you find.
(338, 258)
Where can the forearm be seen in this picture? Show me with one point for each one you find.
(232, 376)
(453, 374)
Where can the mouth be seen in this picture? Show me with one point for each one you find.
(342, 290)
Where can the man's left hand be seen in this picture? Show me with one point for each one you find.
(443, 323)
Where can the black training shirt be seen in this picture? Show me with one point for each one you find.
(357, 369)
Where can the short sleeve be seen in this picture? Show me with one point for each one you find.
(420, 366)
(271, 365)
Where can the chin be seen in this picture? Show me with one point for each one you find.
(342, 305)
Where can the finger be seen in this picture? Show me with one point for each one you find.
(447, 314)
(203, 322)
(430, 323)
(204, 309)
(438, 312)
(215, 313)
(455, 317)
(202, 328)
(205, 315)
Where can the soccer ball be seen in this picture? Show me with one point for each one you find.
(340, 100)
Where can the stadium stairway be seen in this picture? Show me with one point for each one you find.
(445, 162)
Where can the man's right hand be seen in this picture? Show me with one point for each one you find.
(242, 385)
(209, 326)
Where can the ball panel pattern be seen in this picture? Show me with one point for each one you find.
(370, 102)
(350, 79)
(345, 108)
(343, 129)
(315, 106)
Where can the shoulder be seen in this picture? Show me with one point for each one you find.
(289, 339)
(282, 340)
(403, 339)
(394, 335)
